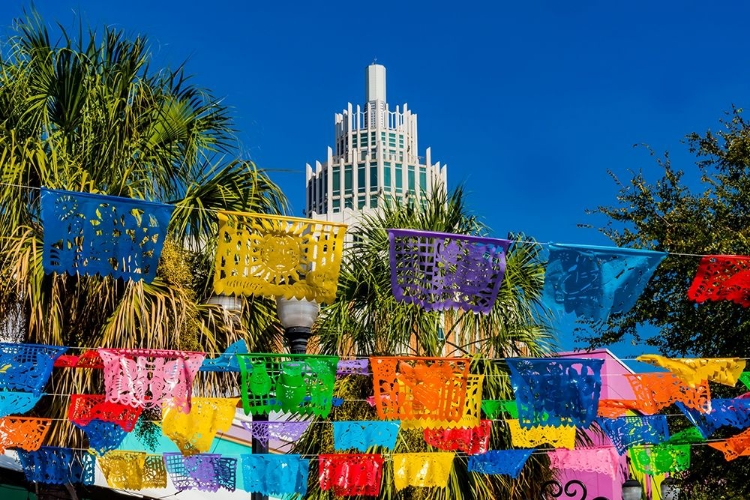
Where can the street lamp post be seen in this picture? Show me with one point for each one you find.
(632, 490)
(297, 318)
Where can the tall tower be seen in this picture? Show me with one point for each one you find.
(376, 159)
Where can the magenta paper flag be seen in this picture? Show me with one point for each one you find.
(603, 460)
(146, 377)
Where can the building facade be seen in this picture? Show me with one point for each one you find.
(376, 159)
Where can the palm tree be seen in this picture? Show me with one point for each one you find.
(89, 114)
(367, 320)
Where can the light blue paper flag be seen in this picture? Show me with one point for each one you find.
(275, 474)
(362, 435)
(594, 282)
(91, 234)
(17, 403)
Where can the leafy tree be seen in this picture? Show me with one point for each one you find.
(366, 320)
(710, 218)
(89, 114)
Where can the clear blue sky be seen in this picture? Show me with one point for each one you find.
(529, 103)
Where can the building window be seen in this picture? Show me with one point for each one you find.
(361, 178)
(336, 204)
(348, 179)
(348, 203)
(373, 202)
(422, 178)
(373, 176)
(399, 179)
(336, 181)
(361, 202)
(410, 178)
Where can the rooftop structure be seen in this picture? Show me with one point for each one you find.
(376, 159)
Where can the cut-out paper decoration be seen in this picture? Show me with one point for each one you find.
(654, 391)
(724, 412)
(91, 234)
(275, 475)
(294, 383)
(507, 462)
(84, 408)
(146, 377)
(133, 470)
(353, 367)
(469, 418)
(687, 436)
(494, 408)
(626, 432)
(613, 408)
(441, 271)
(26, 367)
(103, 436)
(532, 437)
(27, 433)
(351, 474)
(51, 465)
(724, 371)
(722, 277)
(204, 472)
(278, 256)
(195, 431)
(422, 470)
(735, 446)
(745, 379)
(556, 391)
(471, 441)
(594, 282)
(288, 431)
(89, 359)
(226, 361)
(654, 460)
(411, 388)
(17, 403)
(603, 460)
(365, 434)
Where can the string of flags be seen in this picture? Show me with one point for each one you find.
(554, 399)
(258, 254)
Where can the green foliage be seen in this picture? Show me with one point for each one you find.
(88, 113)
(712, 218)
(366, 320)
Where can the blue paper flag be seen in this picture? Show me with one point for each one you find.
(275, 474)
(362, 435)
(724, 412)
(625, 432)
(556, 391)
(103, 436)
(17, 403)
(91, 234)
(226, 361)
(26, 367)
(508, 462)
(594, 282)
(51, 465)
